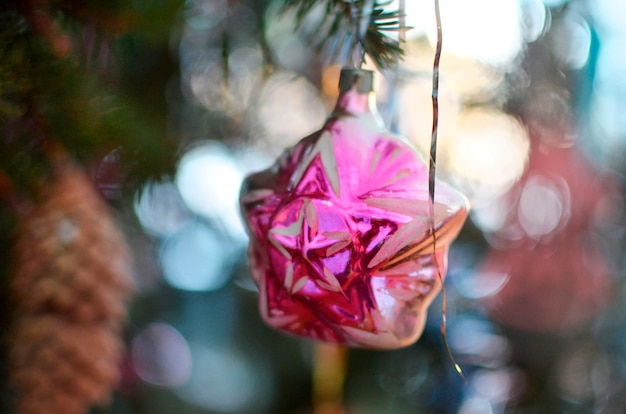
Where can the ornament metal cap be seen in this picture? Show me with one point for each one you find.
(351, 77)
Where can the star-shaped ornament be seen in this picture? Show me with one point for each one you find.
(341, 231)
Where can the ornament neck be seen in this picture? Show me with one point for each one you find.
(356, 94)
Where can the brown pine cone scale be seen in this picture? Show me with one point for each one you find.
(70, 283)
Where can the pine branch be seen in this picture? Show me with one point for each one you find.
(64, 98)
(337, 28)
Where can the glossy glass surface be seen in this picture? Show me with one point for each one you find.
(340, 233)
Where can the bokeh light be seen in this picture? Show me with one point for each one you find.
(585, 373)
(209, 179)
(609, 14)
(160, 209)
(544, 205)
(205, 14)
(226, 381)
(222, 77)
(497, 385)
(290, 50)
(289, 108)
(486, 30)
(196, 258)
(475, 285)
(608, 99)
(405, 373)
(536, 19)
(161, 356)
(486, 154)
(571, 40)
(415, 110)
(476, 405)
(555, 3)
(475, 341)
(489, 390)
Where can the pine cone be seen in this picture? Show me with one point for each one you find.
(70, 283)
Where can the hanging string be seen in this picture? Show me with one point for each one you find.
(431, 184)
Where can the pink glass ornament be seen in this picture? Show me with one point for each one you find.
(340, 240)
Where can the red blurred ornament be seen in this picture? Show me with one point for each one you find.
(557, 277)
(341, 246)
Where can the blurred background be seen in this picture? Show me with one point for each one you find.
(169, 104)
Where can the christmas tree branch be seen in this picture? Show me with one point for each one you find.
(362, 21)
(51, 91)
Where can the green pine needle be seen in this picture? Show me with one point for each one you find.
(335, 31)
